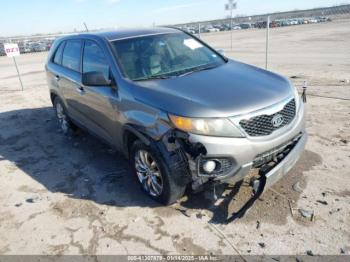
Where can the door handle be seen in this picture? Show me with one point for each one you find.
(80, 90)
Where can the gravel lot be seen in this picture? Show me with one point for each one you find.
(73, 195)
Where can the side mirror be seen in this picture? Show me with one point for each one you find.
(95, 79)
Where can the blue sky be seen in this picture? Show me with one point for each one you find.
(48, 16)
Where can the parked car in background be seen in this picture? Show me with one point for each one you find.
(293, 22)
(226, 27)
(213, 29)
(48, 46)
(260, 24)
(183, 114)
(24, 47)
(191, 31)
(321, 19)
(245, 26)
(285, 23)
(274, 24)
(313, 21)
(2, 50)
(38, 47)
(301, 21)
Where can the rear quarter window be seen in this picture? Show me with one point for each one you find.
(71, 55)
(57, 59)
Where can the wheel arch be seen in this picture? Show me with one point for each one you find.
(130, 135)
(53, 96)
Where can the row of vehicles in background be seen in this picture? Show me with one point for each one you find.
(35, 46)
(210, 28)
(290, 22)
(30, 46)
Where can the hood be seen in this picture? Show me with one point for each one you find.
(231, 89)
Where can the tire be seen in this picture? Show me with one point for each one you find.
(66, 125)
(170, 171)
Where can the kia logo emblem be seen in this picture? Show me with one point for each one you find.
(277, 120)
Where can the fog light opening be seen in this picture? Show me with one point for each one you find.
(209, 166)
(214, 166)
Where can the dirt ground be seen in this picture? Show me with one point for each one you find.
(73, 195)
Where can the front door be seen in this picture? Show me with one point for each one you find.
(98, 103)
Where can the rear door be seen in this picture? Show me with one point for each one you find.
(54, 68)
(70, 80)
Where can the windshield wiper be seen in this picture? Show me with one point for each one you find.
(198, 69)
(153, 77)
(178, 74)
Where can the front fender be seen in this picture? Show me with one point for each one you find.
(153, 124)
(146, 125)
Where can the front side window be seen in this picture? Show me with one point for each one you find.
(71, 55)
(162, 56)
(94, 60)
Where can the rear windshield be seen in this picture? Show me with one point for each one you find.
(163, 55)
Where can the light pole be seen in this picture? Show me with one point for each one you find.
(230, 6)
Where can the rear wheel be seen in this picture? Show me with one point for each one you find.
(156, 173)
(66, 125)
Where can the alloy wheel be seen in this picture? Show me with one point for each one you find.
(148, 173)
(62, 118)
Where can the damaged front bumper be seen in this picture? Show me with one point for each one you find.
(240, 155)
(286, 164)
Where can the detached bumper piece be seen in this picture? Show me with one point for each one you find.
(271, 172)
(276, 154)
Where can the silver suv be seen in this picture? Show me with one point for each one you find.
(181, 112)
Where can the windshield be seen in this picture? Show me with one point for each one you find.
(162, 56)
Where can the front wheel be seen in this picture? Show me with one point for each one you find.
(154, 171)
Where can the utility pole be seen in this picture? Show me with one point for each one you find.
(86, 28)
(230, 6)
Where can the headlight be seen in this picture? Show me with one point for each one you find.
(206, 126)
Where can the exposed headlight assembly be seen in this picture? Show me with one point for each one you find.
(206, 126)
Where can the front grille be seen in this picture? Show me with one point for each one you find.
(262, 125)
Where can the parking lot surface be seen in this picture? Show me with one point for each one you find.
(74, 195)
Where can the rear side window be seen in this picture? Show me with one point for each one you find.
(94, 60)
(71, 55)
(58, 55)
